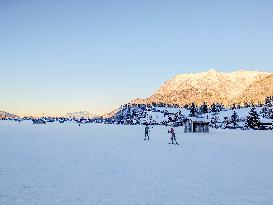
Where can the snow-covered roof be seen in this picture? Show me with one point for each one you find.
(264, 120)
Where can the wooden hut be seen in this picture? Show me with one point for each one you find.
(196, 126)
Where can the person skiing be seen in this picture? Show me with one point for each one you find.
(147, 129)
(173, 137)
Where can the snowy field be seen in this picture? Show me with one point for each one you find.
(112, 164)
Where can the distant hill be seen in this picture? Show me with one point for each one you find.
(81, 114)
(4, 114)
(213, 86)
(110, 114)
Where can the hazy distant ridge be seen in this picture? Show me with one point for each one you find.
(4, 114)
(80, 114)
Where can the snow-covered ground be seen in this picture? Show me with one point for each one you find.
(112, 164)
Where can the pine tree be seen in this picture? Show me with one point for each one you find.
(246, 104)
(234, 119)
(264, 111)
(204, 108)
(193, 110)
(213, 108)
(268, 102)
(214, 120)
(225, 122)
(270, 113)
(253, 120)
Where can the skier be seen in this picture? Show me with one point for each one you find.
(147, 130)
(173, 137)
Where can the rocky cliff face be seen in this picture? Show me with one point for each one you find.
(257, 91)
(213, 86)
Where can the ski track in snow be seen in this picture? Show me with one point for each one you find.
(112, 164)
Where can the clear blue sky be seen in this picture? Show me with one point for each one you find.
(64, 56)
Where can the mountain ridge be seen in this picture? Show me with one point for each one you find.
(210, 87)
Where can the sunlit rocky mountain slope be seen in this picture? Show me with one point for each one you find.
(213, 86)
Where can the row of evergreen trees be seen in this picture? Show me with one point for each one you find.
(135, 111)
(252, 121)
(204, 108)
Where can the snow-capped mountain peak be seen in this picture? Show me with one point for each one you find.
(210, 86)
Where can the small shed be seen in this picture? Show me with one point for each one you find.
(196, 126)
(266, 124)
